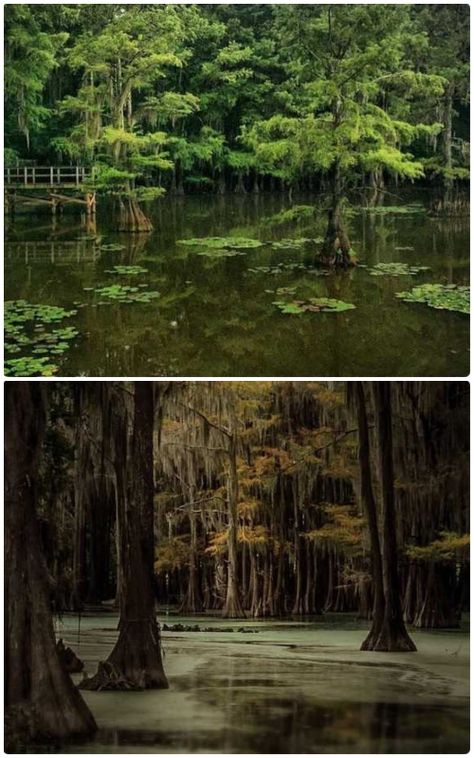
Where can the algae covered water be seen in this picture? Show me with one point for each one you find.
(149, 305)
(282, 687)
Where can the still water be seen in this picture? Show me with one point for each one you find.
(215, 316)
(282, 687)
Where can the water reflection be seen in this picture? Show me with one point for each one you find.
(216, 316)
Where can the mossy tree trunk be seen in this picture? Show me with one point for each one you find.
(41, 701)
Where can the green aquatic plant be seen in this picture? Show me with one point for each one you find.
(127, 270)
(396, 269)
(242, 243)
(26, 330)
(29, 367)
(296, 244)
(113, 247)
(126, 294)
(448, 297)
(313, 305)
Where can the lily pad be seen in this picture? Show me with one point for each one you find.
(126, 294)
(314, 305)
(448, 297)
(296, 244)
(127, 270)
(26, 331)
(30, 367)
(243, 243)
(396, 269)
(112, 247)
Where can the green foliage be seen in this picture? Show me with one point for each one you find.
(211, 94)
(448, 297)
(295, 213)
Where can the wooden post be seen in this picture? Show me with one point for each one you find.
(25, 175)
(51, 175)
(77, 176)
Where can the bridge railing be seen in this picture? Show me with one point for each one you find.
(31, 176)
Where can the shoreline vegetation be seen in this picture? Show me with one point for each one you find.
(178, 99)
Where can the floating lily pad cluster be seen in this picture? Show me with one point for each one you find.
(449, 297)
(396, 269)
(295, 244)
(28, 328)
(313, 305)
(220, 243)
(127, 270)
(112, 247)
(127, 294)
(282, 268)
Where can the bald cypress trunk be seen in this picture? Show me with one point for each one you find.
(233, 607)
(392, 635)
(370, 511)
(41, 702)
(135, 662)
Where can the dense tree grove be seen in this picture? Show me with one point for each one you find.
(240, 98)
(242, 499)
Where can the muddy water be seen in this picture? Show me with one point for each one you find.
(283, 687)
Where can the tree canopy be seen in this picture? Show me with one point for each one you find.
(179, 97)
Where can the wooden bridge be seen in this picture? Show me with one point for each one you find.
(54, 185)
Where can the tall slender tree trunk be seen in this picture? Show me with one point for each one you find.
(41, 702)
(393, 635)
(233, 607)
(370, 510)
(135, 662)
(192, 601)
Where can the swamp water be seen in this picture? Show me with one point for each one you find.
(216, 316)
(281, 687)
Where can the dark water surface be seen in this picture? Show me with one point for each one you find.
(214, 317)
(287, 687)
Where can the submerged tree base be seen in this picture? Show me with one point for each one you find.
(134, 663)
(388, 639)
(132, 218)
